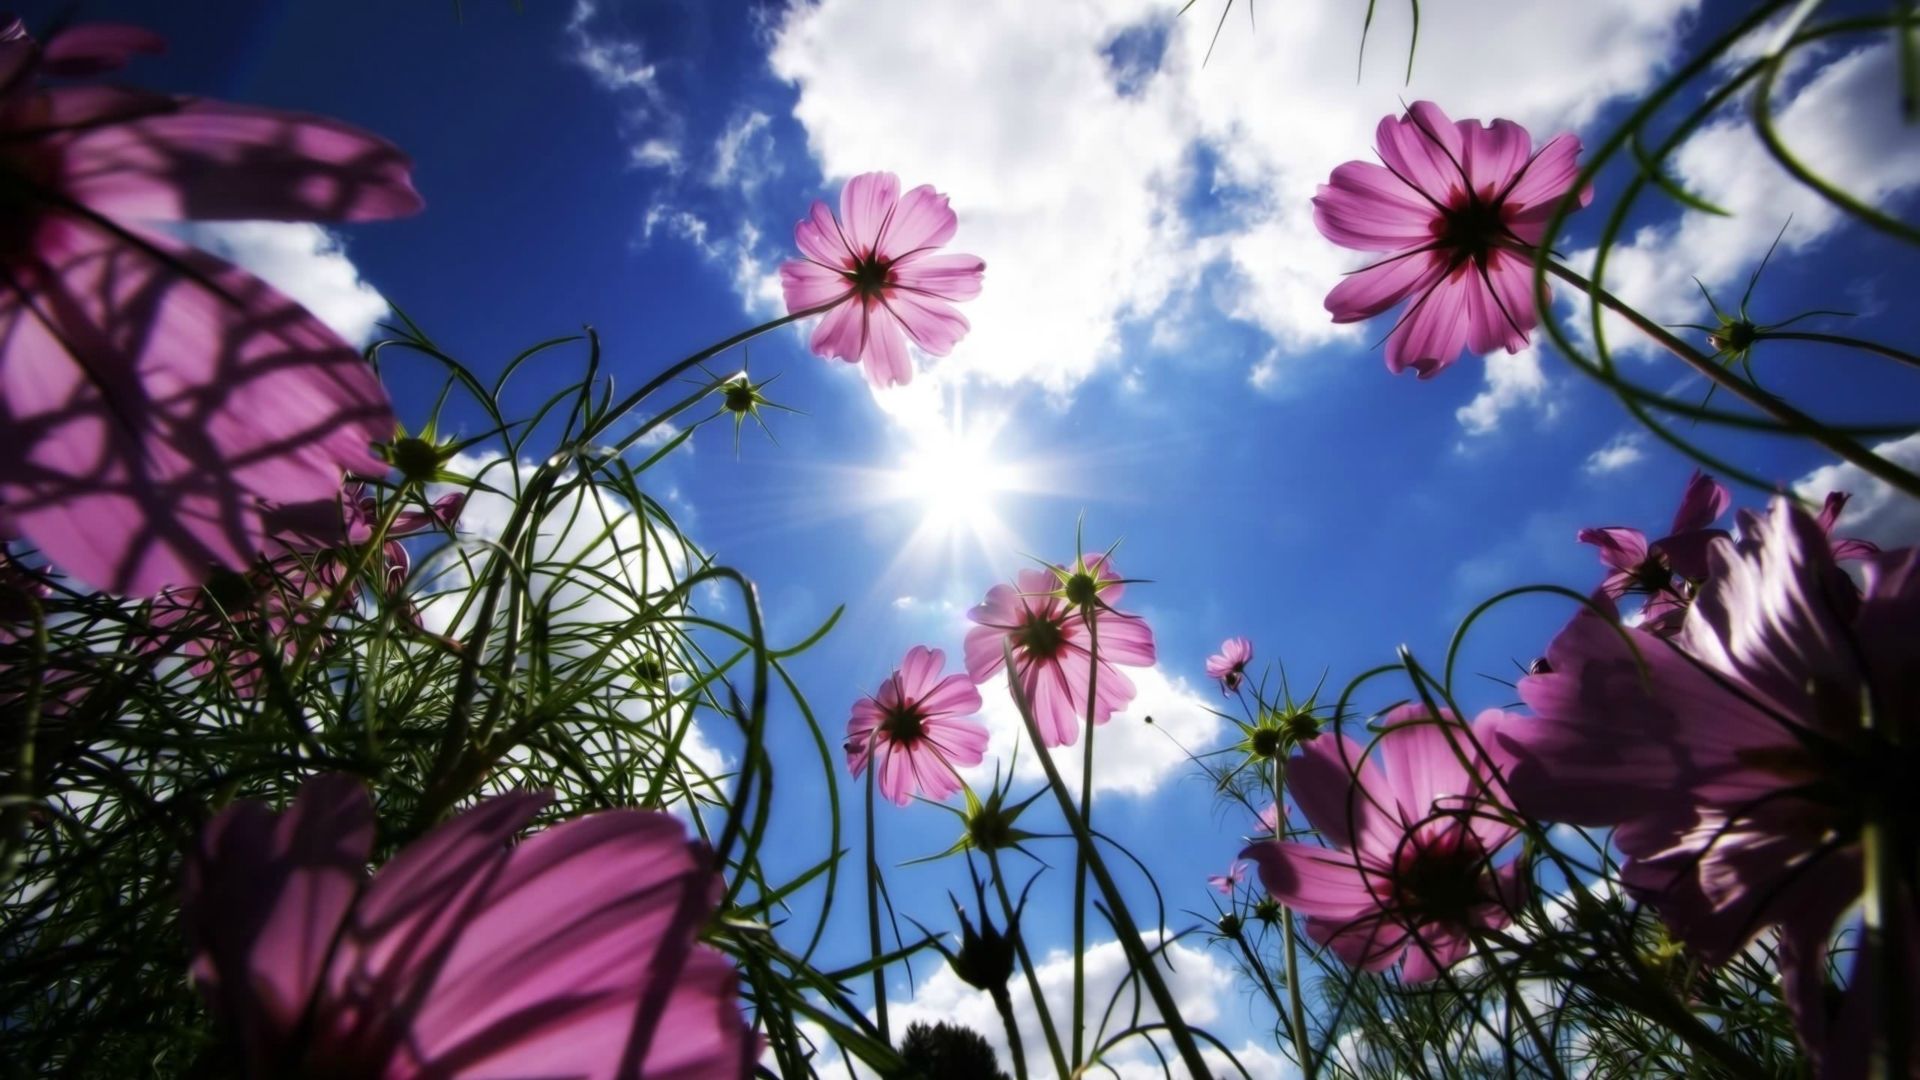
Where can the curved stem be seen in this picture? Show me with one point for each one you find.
(1843, 340)
(1518, 1004)
(1847, 449)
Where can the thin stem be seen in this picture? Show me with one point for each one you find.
(1004, 1003)
(1080, 854)
(873, 914)
(1886, 928)
(1518, 1004)
(1887, 351)
(1847, 449)
(1296, 1008)
(1142, 960)
(1026, 965)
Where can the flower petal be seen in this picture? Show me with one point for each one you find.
(948, 277)
(922, 219)
(866, 202)
(1365, 207)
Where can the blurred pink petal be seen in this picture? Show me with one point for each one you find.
(93, 48)
(1458, 209)
(875, 263)
(1229, 665)
(1410, 866)
(571, 953)
(152, 397)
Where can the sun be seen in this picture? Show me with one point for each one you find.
(953, 469)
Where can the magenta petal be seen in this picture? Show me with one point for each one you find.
(209, 160)
(1434, 331)
(1315, 880)
(1334, 784)
(1546, 180)
(819, 238)
(919, 671)
(1126, 639)
(1500, 309)
(1494, 154)
(840, 333)
(883, 353)
(146, 414)
(948, 277)
(1371, 290)
(1621, 548)
(93, 48)
(955, 695)
(806, 284)
(921, 220)
(1701, 504)
(579, 940)
(934, 325)
(1424, 148)
(262, 898)
(866, 202)
(1365, 207)
(1422, 759)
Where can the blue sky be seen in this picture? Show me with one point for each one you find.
(1149, 354)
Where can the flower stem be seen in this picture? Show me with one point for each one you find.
(1518, 1004)
(1296, 1009)
(873, 916)
(1887, 927)
(1080, 853)
(1005, 1004)
(1026, 965)
(1842, 340)
(1141, 959)
(1779, 410)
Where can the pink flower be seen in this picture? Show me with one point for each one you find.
(1668, 570)
(1409, 870)
(875, 264)
(1732, 758)
(1224, 884)
(916, 729)
(1229, 665)
(1051, 638)
(1845, 549)
(152, 396)
(1268, 820)
(570, 953)
(1460, 207)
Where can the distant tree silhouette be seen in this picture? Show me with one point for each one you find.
(949, 1052)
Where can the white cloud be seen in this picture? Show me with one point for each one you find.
(303, 260)
(1130, 756)
(743, 155)
(1514, 381)
(1876, 512)
(1079, 205)
(1844, 122)
(1200, 981)
(1621, 451)
(619, 64)
(597, 568)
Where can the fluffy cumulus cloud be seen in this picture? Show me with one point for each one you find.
(1843, 120)
(303, 260)
(1514, 381)
(1101, 162)
(1877, 512)
(1130, 755)
(1622, 451)
(1203, 984)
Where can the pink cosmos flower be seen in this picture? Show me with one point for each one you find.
(570, 953)
(1459, 208)
(917, 730)
(1051, 638)
(1667, 571)
(1845, 549)
(1224, 884)
(1732, 759)
(151, 396)
(1229, 665)
(1409, 869)
(876, 264)
(1268, 820)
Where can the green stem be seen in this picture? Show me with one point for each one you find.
(1842, 340)
(1518, 1004)
(1887, 947)
(1005, 1004)
(873, 913)
(1786, 414)
(1142, 960)
(1026, 965)
(1080, 854)
(1296, 1008)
